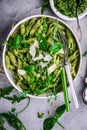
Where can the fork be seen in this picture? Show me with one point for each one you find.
(63, 40)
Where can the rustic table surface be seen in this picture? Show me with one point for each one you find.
(12, 12)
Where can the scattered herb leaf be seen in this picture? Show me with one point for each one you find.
(2, 123)
(5, 91)
(13, 120)
(85, 53)
(44, 6)
(60, 110)
(51, 121)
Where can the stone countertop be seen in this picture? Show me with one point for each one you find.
(11, 12)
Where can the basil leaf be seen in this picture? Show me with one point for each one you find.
(55, 48)
(6, 91)
(85, 53)
(49, 123)
(42, 42)
(2, 123)
(14, 121)
(44, 6)
(60, 110)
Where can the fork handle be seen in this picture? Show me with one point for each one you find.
(67, 68)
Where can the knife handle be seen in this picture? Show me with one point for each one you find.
(67, 68)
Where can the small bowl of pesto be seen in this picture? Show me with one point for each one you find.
(66, 9)
(33, 55)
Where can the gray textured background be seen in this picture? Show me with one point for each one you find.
(11, 11)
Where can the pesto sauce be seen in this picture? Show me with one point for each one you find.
(68, 7)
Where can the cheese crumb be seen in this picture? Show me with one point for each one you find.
(43, 64)
(47, 58)
(21, 72)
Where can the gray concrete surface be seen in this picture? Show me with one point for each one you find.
(12, 11)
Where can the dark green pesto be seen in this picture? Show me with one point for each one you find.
(68, 7)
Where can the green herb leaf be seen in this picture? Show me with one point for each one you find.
(13, 120)
(50, 122)
(6, 91)
(2, 123)
(42, 42)
(44, 6)
(85, 53)
(55, 48)
(60, 110)
(14, 98)
(43, 9)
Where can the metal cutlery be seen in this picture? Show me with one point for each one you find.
(63, 40)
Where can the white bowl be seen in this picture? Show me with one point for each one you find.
(9, 74)
(64, 17)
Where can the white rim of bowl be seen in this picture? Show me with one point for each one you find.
(13, 29)
(64, 17)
